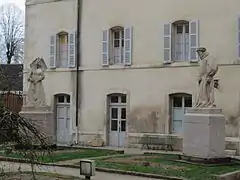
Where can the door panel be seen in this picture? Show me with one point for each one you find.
(180, 103)
(63, 124)
(117, 126)
(114, 126)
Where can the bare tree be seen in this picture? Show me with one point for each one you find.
(11, 33)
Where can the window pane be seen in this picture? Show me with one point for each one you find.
(187, 28)
(114, 113)
(116, 34)
(117, 55)
(116, 43)
(177, 101)
(61, 99)
(68, 99)
(123, 126)
(188, 101)
(123, 113)
(122, 34)
(114, 125)
(123, 99)
(114, 99)
(179, 29)
(122, 42)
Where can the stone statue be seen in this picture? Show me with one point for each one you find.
(208, 69)
(36, 94)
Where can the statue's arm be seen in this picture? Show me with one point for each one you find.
(30, 77)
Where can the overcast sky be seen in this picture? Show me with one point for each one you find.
(19, 3)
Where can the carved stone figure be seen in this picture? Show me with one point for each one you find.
(208, 69)
(36, 94)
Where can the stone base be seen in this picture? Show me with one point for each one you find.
(212, 161)
(43, 118)
(204, 133)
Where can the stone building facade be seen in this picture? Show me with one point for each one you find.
(138, 63)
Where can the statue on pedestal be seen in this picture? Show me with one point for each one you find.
(36, 94)
(207, 71)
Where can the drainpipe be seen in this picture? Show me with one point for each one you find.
(79, 12)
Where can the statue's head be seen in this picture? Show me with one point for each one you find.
(38, 63)
(201, 52)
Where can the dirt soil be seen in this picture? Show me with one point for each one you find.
(38, 177)
(142, 161)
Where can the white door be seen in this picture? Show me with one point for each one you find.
(63, 124)
(180, 103)
(117, 126)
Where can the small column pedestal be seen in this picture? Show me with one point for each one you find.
(43, 118)
(204, 133)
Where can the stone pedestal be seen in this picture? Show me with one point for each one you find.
(204, 133)
(43, 118)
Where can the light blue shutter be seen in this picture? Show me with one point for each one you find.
(167, 43)
(238, 36)
(127, 55)
(72, 50)
(52, 53)
(193, 40)
(105, 48)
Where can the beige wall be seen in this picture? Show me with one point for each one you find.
(147, 82)
(218, 26)
(44, 19)
(148, 91)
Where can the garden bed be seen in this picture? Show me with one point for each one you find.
(64, 154)
(165, 165)
(38, 175)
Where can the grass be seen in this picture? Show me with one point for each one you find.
(65, 155)
(170, 167)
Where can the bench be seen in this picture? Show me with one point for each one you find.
(156, 142)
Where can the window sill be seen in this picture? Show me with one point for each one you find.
(116, 66)
(61, 69)
(181, 63)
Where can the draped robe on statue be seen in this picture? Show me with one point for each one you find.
(208, 69)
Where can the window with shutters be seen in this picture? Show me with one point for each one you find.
(117, 45)
(180, 40)
(62, 50)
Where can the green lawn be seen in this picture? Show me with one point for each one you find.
(66, 155)
(166, 165)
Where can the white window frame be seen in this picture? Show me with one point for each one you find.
(58, 50)
(184, 47)
(121, 46)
